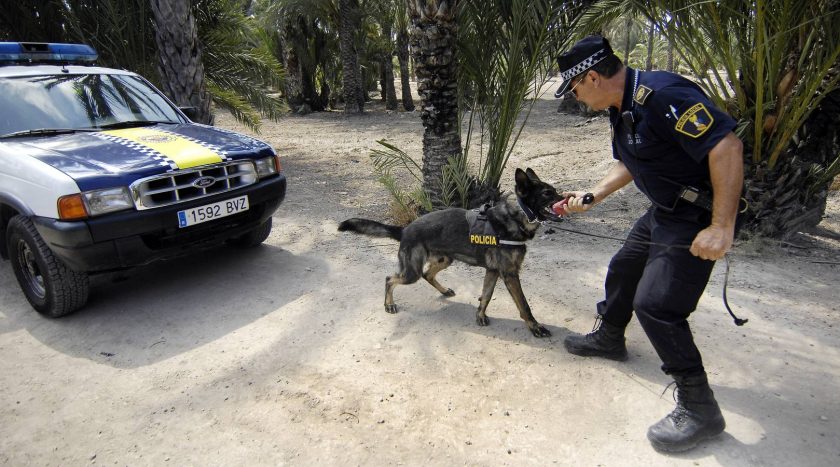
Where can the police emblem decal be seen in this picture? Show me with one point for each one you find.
(156, 138)
(695, 121)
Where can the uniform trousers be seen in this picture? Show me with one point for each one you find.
(662, 284)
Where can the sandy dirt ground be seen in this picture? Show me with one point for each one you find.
(283, 355)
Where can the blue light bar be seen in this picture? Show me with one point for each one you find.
(36, 52)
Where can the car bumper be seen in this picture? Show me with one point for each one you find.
(134, 238)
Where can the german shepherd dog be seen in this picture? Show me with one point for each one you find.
(439, 237)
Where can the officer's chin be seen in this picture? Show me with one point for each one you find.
(589, 106)
(595, 108)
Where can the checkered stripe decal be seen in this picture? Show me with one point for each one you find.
(162, 160)
(593, 60)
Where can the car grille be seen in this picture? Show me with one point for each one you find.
(186, 185)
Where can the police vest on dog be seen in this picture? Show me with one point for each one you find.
(482, 232)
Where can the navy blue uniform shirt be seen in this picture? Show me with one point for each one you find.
(676, 126)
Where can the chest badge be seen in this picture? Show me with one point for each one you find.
(695, 121)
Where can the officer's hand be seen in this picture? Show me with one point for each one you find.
(574, 201)
(712, 242)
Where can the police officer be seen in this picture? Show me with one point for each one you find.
(680, 151)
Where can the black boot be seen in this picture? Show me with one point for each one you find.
(697, 417)
(605, 341)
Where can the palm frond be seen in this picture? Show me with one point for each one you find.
(384, 161)
(768, 62)
(238, 62)
(237, 105)
(506, 50)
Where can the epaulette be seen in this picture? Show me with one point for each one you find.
(642, 94)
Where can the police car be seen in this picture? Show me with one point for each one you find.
(100, 172)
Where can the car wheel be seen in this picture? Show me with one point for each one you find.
(254, 237)
(51, 287)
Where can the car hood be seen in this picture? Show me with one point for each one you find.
(118, 157)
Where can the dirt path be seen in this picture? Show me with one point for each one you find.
(284, 355)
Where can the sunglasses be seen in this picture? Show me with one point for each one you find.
(573, 89)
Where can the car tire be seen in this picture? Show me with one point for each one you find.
(253, 238)
(51, 287)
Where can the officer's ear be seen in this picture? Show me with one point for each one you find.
(594, 77)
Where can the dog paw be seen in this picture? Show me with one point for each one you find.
(391, 309)
(482, 320)
(449, 293)
(540, 331)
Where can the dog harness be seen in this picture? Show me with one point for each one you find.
(482, 232)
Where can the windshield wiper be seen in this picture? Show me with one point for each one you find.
(42, 132)
(132, 124)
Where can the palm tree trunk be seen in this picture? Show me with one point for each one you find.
(382, 92)
(349, 57)
(291, 63)
(388, 70)
(402, 56)
(649, 63)
(628, 25)
(433, 37)
(670, 55)
(180, 62)
(788, 198)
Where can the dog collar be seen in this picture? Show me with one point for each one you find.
(511, 242)
(529, 214)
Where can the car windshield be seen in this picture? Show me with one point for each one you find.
(79, 102)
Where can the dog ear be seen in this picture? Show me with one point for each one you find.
(531, 174)
(522, 180)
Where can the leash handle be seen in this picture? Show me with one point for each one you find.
(738, 321)
(559, 208)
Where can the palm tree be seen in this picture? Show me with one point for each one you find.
(240, 69)
(306, 42)
(787, 100)
(353, 86)
(508, 50)
(401, 20)
(180, 57)
(387, 63)
(773, 65)
(381, 46)
(119, 30)
(649, 61)
(433, 38)
(628, 25)
(34, 20)
(505, 51)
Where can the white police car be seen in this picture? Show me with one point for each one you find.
(100, 172)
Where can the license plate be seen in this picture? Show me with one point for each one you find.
(209, 212)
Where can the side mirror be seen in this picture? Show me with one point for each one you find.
(190, 112)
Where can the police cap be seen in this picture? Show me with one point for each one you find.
(585, 54)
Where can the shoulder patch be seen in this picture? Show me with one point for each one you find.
(642, 93)
(695, 121)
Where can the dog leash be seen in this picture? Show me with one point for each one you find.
(738, 321)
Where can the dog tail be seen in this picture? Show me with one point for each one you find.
(371, 228)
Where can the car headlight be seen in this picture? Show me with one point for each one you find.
(107, 200)
(267, 166)
(94, 203)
